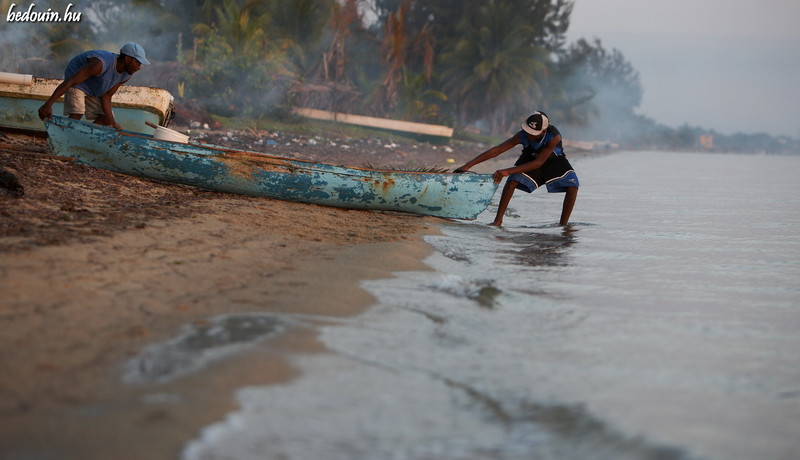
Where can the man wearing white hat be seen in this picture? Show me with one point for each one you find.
(90, 79)
(542, 163)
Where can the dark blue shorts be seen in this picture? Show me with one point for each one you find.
(555, 185)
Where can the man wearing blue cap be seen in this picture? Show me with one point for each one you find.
(90, 79)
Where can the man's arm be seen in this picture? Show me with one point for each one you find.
(491, 153)
(105, 102)
(91, 69)
(537, 163)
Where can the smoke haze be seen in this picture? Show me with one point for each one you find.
(730, 66)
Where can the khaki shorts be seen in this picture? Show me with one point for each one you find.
(76, 101)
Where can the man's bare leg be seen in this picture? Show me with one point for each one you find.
(505, 198)
(569, 202)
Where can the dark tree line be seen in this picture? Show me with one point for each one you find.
(479, 65)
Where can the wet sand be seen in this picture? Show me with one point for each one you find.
(96, 266)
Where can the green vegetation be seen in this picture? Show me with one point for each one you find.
(477, 65)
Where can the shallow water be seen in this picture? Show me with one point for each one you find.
(198, 345)
(664, 323)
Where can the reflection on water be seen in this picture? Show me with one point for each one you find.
(542, 431)
(539, 249)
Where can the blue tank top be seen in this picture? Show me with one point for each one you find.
(556, 165)
(534, 147)
(98, 85)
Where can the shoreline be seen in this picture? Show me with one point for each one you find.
(75, 313)
(98, 266)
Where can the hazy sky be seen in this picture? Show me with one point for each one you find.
(728, 65)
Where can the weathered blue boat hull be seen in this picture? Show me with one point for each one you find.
(458, 196)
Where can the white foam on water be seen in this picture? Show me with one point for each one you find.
(198, 345)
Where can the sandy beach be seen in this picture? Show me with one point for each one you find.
(97, 266)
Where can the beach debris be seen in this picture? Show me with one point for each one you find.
(347, 150)
(10, 184)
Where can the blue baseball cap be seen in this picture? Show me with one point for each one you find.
(135, 51)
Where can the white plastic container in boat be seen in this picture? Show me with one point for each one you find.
(166, 134)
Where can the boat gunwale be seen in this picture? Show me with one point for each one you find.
(120, 100)
(117, 105)
(227, 150)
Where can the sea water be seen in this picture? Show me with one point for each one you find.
(663, 323)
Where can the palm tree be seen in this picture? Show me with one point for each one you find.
(303, 26)
(395, 49)
(240, 30)
(328, 85)
(238, 68)
(495, 67)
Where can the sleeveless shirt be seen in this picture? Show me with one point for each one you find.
(555, 166)
(97, 85)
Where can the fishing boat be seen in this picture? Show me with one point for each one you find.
(458, 196)
(22, 95)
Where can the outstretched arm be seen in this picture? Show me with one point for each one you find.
(92, 68)
(531, 165)
(491, 153)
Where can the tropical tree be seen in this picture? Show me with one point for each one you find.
(418, 101)
(399, 80)
(551, 18)
(494, 70)
(394, 49)
(237, 67)
(328, 84)
(304, 25)
(482, 45)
